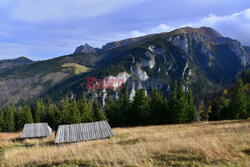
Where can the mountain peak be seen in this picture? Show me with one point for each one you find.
(204, 31)
(86, 48)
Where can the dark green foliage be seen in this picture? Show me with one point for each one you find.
(158, 108)
(140, 111)
(124, 109)
(173, 105)
(2, 121)
(112, 112)
(18, 119)
(191, 108)
(26, 115)
(74, 113)
(224, 111)
(238, 103)
(86, 110)
(38, 110)
(214, 115)
(182, 107)
(9, 119)
(99, 115)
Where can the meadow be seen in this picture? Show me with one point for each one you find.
(222, 143)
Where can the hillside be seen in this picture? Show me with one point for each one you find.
(223, 143)
(10, 63)
(199, 57)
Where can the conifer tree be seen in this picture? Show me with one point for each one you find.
(214, 115)
(64, 111)
(74, 115)
(85, 108)
(9, 119)
(111, 111)
(140, 109)
(99, 115)
(18, 119)
(224, 111)
(191, 108)
(50, 114)
(26, 115)
(157, 108)
(238, 103)
(173, 105)
(2, 121)
(124, 109)
(38, 110)
(182, 107)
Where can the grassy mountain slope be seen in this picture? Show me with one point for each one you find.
(10, 63)
(223, 143)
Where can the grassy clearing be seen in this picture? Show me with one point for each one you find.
(224, 143)
(77, 68)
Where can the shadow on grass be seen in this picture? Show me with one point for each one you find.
(131, 141)
(184, 160)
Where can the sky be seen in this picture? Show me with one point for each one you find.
(46, 29)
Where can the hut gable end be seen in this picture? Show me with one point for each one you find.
(36, 130)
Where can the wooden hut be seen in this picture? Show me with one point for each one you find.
(83, 132)
(36, 130)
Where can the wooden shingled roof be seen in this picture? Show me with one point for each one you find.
(83, 132)
(36, 130)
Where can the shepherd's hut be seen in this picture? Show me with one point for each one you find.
(83, 132)
(36, 130)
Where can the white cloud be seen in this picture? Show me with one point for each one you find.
(236, 25)
(58, 10)
(161, 28)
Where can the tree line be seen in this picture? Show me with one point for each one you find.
(143, 110)
(238, 107)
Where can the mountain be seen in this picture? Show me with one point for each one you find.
(247, 48)
(86, 49)
(201, 58)
(10, 63)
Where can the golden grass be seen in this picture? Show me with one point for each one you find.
(224, 143)
(78, 69)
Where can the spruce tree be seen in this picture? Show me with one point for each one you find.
(99, 115)
(18, 119)
(64, 111)
(140, 109)
(157, 108)
(214, 115)
(74, 115)
(50, 113)
(224, 111)
(238, 103)
(124, 109)
(2, 121)
(191, 107)
(26, 115)
(85, 108)
(173, 105)
(182, 107)
(9, 119)
(111, 112)
(38, 110)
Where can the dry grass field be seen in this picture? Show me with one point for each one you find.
(225, 143)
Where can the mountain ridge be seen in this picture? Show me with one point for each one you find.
(200, 57)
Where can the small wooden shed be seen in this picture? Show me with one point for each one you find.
(36, 130)
(83, 132)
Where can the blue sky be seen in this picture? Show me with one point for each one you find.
(50, 28)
